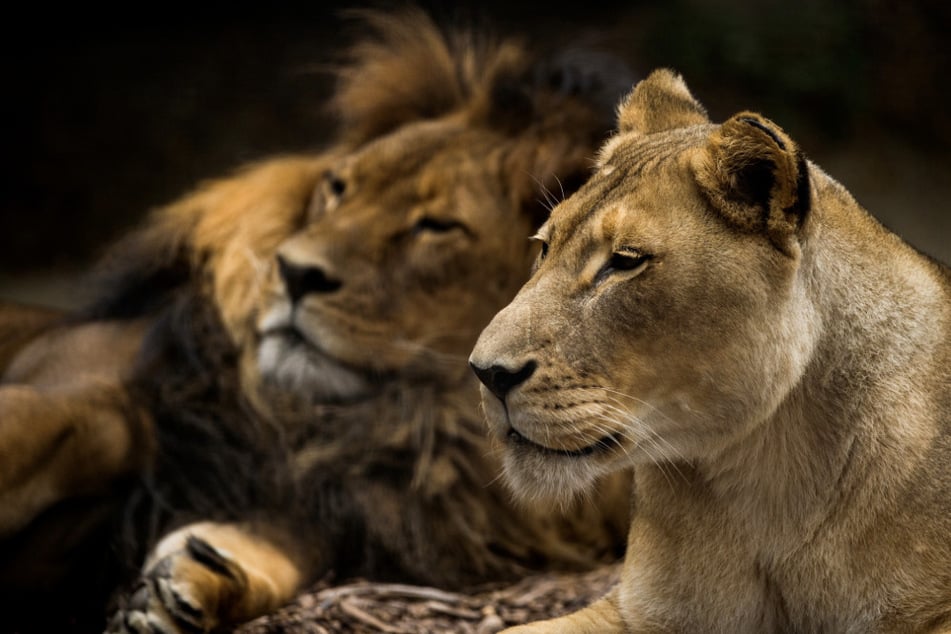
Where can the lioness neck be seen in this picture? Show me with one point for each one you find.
(871, 393)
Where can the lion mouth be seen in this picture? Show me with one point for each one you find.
(600, 446)
(288, 358)
(293, 339)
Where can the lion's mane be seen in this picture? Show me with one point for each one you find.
(398, 486)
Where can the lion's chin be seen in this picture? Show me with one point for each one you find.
(298, 368)
(536, 473)
(538, 477)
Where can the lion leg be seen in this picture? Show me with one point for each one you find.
(601, 617)
(208, 575)
(19, 324)
(57, 445)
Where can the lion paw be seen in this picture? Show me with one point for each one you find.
(181, 593)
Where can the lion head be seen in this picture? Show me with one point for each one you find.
(666, 317)
(384, 255)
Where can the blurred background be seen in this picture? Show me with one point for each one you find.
(111, 112)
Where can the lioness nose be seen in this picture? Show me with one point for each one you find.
(500, 380)
(304, 280)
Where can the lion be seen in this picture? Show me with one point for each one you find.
(270, 385)
(713, 309)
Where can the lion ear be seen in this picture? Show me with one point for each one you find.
(757, 178)
(660, 102)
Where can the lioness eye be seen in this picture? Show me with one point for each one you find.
(624, 261)
(437, 225)
(542, 254)
(544, 250)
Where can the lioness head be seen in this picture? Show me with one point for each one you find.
(386, 254)
(665, 317)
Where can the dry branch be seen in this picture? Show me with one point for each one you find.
(364, 607)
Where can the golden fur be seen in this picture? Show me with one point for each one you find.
(270, 383)
(717, 311)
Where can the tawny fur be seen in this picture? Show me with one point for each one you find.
(720, 313)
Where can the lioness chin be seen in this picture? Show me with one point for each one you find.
(715, 310)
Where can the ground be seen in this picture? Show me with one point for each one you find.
(363, 608)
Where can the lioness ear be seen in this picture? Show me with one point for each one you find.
(660, 102)
(757, 178)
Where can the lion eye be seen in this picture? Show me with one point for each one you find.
(543, 253)
(336, 184)
(624, 261)
(437, 225)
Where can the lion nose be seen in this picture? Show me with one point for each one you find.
(500, 380)
(304, 280)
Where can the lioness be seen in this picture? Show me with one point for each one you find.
(271, 381)
(714, 309)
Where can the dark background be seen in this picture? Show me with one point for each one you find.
(110, 113)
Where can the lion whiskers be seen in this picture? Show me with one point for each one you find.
(551, 201)
(641, 402)
(656, 441)
(665, 455)
(422, 353)
(649, 429)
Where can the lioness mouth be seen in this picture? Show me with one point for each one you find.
(601, 445)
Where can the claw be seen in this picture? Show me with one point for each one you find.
(168, 599)
(155, 607)
(187, 616)
(208, 556)
(183, 605)
(139, 599)
(138, 623)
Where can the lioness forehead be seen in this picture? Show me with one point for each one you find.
(638, 153)
(623, 164)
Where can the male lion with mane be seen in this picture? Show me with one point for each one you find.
(715, 310)
(271, 384)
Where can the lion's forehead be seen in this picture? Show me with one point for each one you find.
(449, 180)
(634, 151)
(429, 154)
(622, 193)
